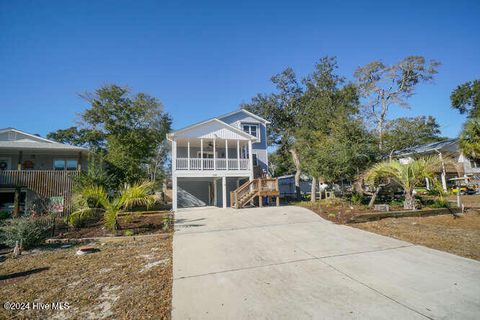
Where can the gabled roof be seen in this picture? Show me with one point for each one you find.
(219, 119)
(426, 148)
(35, 143)
(246, 112)
(35, 137)
(213, 120)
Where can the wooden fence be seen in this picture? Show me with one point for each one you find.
(45, 183)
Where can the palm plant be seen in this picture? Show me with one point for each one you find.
(92, 200)
(409, 175)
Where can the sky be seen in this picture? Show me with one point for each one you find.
(204, 58)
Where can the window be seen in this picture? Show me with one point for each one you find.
(255, 160)
(59, 164)
(72, 164)
(244, 155)
(475, 163)
(251, 129)
(62, 164)
(206, 155)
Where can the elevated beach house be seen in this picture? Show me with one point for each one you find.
(221, 162)
(35, 170)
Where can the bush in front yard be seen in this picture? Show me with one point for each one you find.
(440, 203)
(29, 231)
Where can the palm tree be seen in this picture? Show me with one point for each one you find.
(408, 176)
(470, 138)
(92, 200)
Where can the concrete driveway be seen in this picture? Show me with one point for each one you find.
(288, 263)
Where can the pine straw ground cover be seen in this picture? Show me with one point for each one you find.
(459, 236)
(128, 278)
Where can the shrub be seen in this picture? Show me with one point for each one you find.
(440, 203)
(30, 231)
(128, 233)
(396, 203)
(4, 215)
(167, 222)
(356, 199)
(83, 218)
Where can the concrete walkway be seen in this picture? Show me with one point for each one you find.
(288, 263)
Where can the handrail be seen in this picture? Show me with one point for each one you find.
(255, 186)
(243, 186)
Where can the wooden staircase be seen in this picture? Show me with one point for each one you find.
(260, 188)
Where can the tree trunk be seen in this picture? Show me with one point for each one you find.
(409, 203)
(374, 197)
(313, 196)
(358, 187)
(381, 120)
(298, 172)
(16, 203)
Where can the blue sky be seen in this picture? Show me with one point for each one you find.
(203, 58)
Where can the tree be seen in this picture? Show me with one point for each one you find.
(383, 86)
(470, 138)
(127, 130)
(280, 162)
(88, 138)
(332, 139)
(408, 176)
(281, 109)
(94, 199)
(402, 133)
(466, 98)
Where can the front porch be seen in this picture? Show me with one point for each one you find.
(212, 154)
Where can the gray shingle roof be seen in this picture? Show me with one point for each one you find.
(34, 142)
(425, 148)
(38, 146)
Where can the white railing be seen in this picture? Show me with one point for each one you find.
(208, 164)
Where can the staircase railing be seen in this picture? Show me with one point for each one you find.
(241, 191)
(253, 188)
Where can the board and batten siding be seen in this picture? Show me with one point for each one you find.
(211, 131)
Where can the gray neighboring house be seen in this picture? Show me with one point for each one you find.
(463, 167)
(214, 157)
(32, 168)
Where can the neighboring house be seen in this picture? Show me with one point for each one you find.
(32, 168)
(447, 149)
(214, 157)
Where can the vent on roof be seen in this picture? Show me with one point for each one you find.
(12, 136)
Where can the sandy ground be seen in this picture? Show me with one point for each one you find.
(128, 278)
(459, 236)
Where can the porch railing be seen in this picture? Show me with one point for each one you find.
(209, 164)
(46, 183)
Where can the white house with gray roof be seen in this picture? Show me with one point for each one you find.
(216, 156)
